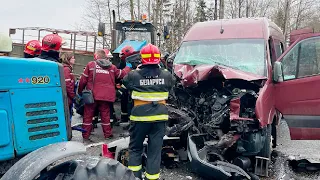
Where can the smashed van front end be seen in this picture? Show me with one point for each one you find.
(215, 97)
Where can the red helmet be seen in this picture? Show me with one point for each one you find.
(51, 42)
(126, 51)
(150, 54)
(33, 48)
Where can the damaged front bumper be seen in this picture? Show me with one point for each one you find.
(212, 170)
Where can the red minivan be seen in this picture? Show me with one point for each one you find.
(236, 81)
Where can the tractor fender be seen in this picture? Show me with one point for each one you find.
(32, 164)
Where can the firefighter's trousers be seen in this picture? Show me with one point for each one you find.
(138, 132)
(89, 110)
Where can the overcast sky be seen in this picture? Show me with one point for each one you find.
(60, 14)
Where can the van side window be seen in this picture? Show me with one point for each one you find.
(303, 59)
(309, 57)
(289, 63)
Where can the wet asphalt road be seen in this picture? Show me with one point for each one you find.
(279, 167)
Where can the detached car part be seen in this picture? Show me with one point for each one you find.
(200, 162)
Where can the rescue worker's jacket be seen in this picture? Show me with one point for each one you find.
(149, 88)
(70, 82)
(104, 82)
(50, 55)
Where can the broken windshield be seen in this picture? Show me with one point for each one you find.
(243, 54)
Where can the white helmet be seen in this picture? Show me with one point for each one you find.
(5, 43)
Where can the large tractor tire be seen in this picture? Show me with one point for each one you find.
(88, 167)
(66, 161)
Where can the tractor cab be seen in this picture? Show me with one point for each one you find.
(134, 31)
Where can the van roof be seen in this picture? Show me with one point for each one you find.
(241, 28)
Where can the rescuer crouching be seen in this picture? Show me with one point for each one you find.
(98, 79)
(149, 88)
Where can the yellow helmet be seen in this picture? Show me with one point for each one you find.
(5, 43)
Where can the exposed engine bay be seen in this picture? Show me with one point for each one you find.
(218, 119)
(212, 104)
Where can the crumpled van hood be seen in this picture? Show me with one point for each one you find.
(191, 75)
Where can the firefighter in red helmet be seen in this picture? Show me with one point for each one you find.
(51, 45)
(149, 87)
(32, 49)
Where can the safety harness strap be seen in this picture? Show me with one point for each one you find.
(139, 102)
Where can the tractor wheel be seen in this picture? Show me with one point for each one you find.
(88, 167)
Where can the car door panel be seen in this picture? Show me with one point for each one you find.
(298, 97)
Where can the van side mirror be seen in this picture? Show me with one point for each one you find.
(277, 72)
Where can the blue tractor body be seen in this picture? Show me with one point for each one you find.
(33, 106)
